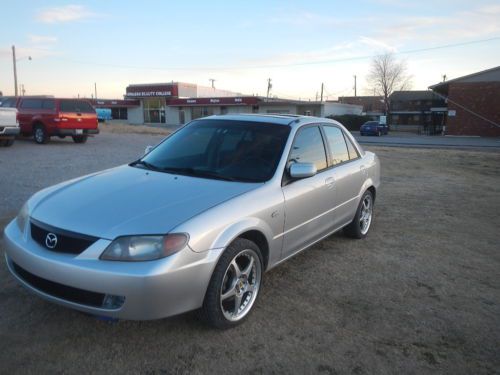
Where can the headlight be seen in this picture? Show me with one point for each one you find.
(140, 248)
(22, 217)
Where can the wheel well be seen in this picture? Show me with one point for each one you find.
(373, 191)
(38, 123)
(260, 240)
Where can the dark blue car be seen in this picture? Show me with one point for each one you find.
(373, 128)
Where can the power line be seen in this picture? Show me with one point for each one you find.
(267, 66)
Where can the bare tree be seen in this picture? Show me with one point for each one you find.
(388, 75)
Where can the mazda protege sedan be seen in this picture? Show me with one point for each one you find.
(195, 222)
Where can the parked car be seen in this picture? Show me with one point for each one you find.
(9, 126)
(43, 117)
(373, 128)
(103, 114)
(195, 222)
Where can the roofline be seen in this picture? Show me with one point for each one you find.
(462, 77)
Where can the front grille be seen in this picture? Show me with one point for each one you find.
(65, 241)
(68, 293)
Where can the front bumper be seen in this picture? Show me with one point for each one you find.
(10, 131)
(151, 290)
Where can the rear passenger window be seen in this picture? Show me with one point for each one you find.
(308, 148)
(49, 104)
(31, 104)
(78, 106)
(353, 153)
(336, 142)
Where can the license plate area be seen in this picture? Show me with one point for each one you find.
(79, 131)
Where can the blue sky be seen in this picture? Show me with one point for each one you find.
(299, 44)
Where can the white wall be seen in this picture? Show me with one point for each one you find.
(337, 109)
(135, 115)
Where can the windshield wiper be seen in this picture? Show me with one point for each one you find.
(145, 164)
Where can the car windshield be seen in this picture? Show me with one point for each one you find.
(230, 150)
(371, 123)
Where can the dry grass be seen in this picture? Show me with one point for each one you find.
(123, 128)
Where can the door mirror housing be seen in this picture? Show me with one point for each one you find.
(148, 149)
(302, 170)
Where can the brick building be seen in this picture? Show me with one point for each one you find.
(473, 103)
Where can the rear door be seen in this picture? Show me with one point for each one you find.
(77, 114)
(349, 174)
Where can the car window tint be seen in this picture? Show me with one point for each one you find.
(49, 104)
(31, 103)
(79, 106)
(353, 153)
(239, 150)
(336, 142)
(308, 148)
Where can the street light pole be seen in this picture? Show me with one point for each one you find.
(15, 69)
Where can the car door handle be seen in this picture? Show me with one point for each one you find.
(330, 182)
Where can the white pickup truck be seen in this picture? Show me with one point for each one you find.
(9, 125)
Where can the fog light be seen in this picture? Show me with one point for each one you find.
(112, 302)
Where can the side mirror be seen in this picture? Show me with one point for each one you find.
(148, 149)
(302, 170)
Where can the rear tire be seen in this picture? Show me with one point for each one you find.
(360, 225)
(79, 138)
(234, 286)
(40, 134)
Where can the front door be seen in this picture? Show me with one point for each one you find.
(308, 200)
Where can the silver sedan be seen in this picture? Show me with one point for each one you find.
(195, 222)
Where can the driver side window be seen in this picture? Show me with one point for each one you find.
(308, 147)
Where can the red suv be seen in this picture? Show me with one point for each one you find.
(46, 117)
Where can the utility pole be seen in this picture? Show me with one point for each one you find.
(95, 90)
(444, 77)
(23, 91)
(322, 87)
(15, 69)
(212, 82)
(355, 88)
(269, 87)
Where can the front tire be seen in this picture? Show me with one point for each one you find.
(360, 225)
(234, 286)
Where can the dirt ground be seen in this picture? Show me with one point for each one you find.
(419, 295)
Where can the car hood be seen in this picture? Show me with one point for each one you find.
(128, 200)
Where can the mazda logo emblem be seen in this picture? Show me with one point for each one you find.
(51, 240)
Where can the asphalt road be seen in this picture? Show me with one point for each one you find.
(419, 295)
(400, 139)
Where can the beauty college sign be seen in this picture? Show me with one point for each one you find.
(148, 91)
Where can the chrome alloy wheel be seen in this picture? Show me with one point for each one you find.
(365, 217)
(240, 285)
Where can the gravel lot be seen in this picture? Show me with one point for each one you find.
(421, 294)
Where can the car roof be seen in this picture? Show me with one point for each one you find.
(271, 118)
